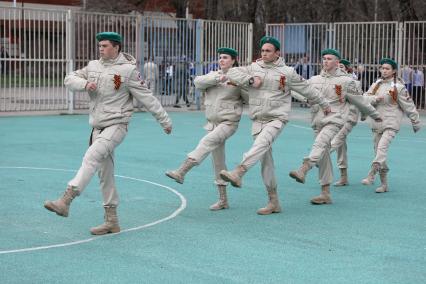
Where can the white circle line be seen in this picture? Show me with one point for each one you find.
(171, 216)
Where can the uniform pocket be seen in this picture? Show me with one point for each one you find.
(109, 109)
(114, 133)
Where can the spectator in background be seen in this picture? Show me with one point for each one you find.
(182, 80)
(418, 85)
(168, 79)
(304, 69)
(407, 76)
(151, 75)
(4, 55)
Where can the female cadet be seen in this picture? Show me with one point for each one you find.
(391, 99)
(224, 105)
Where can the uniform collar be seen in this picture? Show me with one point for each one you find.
(277, 63)
(337, 73)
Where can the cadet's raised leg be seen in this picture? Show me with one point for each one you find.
(207, 144)
(103, 145)
(61, 206)
(262, 143)
(179, 174)
(321, 145)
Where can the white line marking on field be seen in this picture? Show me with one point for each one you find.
(171, 216)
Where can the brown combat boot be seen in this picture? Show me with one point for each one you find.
(384, 180)
(371, 174)
(299, 175)
(273, 205)
(222, 203)
(324, 197)
(62, 205)
(179, 174)
(343, 181)
(234, 177)
(110, 225)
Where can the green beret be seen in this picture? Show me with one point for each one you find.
(109, 36)
(271, 40)
(331, 51)
(227, 50)
(345, 62)
(390, 62)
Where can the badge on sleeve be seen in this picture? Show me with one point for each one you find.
(117, 81)
(141, 80)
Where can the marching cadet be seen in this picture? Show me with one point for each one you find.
(338, 143)
(112, 82)
(340, 91)
(224, 106)
(268, 81)
(391, 99)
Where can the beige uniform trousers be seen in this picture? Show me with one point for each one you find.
(214, 142)
(339, 145)
(320, 152)
(100, 157)
(262, 150)
(381, 146)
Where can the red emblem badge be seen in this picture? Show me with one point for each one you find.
(117, 82)
(339, 93)
(282, 82)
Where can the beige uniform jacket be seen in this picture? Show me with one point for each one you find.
(118, 81)
(272, 101)
(223, 100)
(353, 115)
(340, 91)
(390, 109)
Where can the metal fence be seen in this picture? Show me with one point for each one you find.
(39, 47)
(362, 43)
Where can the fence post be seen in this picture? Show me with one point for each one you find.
(400, 46)
(198, 58)
(140, 41)
(69, 51)
(250, 43)
(331, 41)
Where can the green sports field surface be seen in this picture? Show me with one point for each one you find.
(169, 234)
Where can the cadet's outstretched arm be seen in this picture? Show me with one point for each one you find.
(360, 102)
(144, 95)
(240, 75)
(409, 108)
(77, 80)
(204, 82)
(302, 87)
